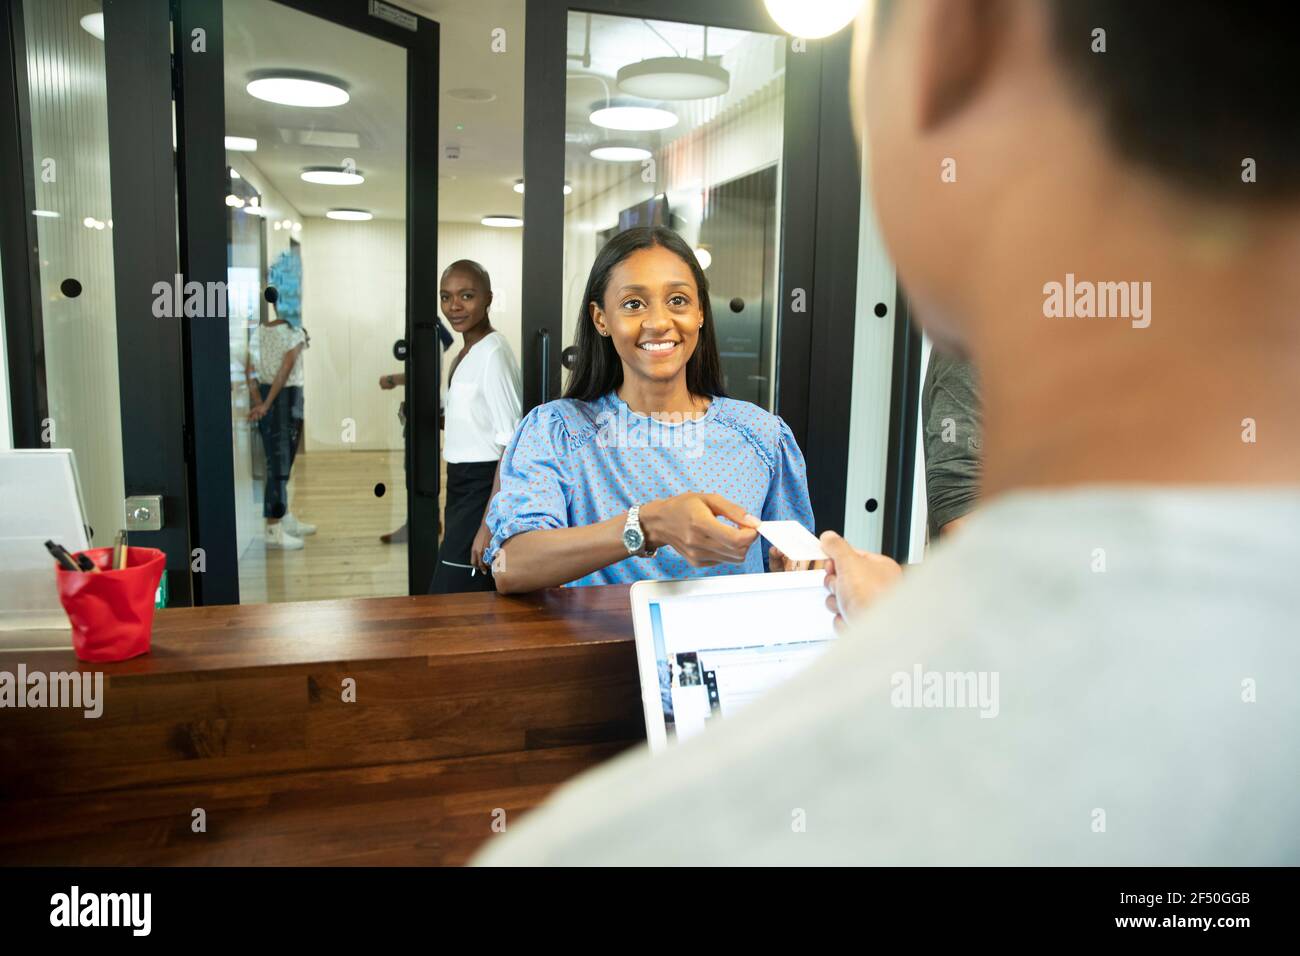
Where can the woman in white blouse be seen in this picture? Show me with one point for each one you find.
(484, 405)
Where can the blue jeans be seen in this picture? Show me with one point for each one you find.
(280, 427)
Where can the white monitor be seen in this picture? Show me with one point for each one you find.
(40, 500)
(708, 647)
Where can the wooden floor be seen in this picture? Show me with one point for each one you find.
(345, 558)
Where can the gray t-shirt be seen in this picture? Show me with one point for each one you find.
(1144, 642)
(950, 417)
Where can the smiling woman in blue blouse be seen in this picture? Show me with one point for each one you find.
(631, 473)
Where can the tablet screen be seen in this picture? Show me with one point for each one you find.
(717, 652)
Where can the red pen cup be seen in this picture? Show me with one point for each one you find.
(112, 611)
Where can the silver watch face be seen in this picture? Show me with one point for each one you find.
(633, 540)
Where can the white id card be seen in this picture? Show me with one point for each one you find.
(793, 540)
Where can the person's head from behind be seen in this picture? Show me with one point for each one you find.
(1014, 141)
(272, 296)
(645, 317)
(465, 293)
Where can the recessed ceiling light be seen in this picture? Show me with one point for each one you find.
(620, 154)
(502, 222)
(519, 187)
(45, 213)
(93, 23)
(703, 257)
(234, 201)
(673, 78)
(332, 176)
(289, 88)
(633, 117)
(472, 94)
(241, 144)
(347, 215)
(812, 20)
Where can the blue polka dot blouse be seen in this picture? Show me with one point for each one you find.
(574, 463)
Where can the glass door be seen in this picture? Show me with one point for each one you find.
(706, 119)
(330, 230)
(681, 125)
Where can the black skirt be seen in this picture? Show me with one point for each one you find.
(469, 487)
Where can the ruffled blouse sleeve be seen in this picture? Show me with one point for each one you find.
(787, 494)
(536, 484)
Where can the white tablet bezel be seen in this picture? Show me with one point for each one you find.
(644, 592)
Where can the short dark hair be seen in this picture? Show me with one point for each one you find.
(473, 268)
(272, 294)
(1189, 90)
(597, 369)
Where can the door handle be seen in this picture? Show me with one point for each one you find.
(545, 353)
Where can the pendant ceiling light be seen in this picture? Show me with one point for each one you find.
(813, 19)
(673, 78)
(632, 117)
(620, 152)
(331, 176)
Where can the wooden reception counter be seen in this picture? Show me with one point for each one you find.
(468, 708)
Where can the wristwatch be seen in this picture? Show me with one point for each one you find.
(634, 537)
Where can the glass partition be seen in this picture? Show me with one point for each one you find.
(681, 125)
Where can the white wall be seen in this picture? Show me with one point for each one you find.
(354, 300)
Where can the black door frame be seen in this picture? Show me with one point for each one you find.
(24, 328)
(821, 191)
(201, 175)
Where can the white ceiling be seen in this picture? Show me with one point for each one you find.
(260, 34)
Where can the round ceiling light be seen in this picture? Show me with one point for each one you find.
(673, 78)
(519, 187)
(93, 23)
(703, 257)
(637, 118)
(813, 19)
(298, 89)
(612, 153)
(241, 144)
(348, 215)
(331, 176)
(502, 222)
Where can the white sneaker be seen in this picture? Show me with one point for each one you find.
(277, 536)
(299, 529)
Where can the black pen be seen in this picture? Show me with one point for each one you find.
(61, 556)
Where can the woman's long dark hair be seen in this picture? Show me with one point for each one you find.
(597, 370)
